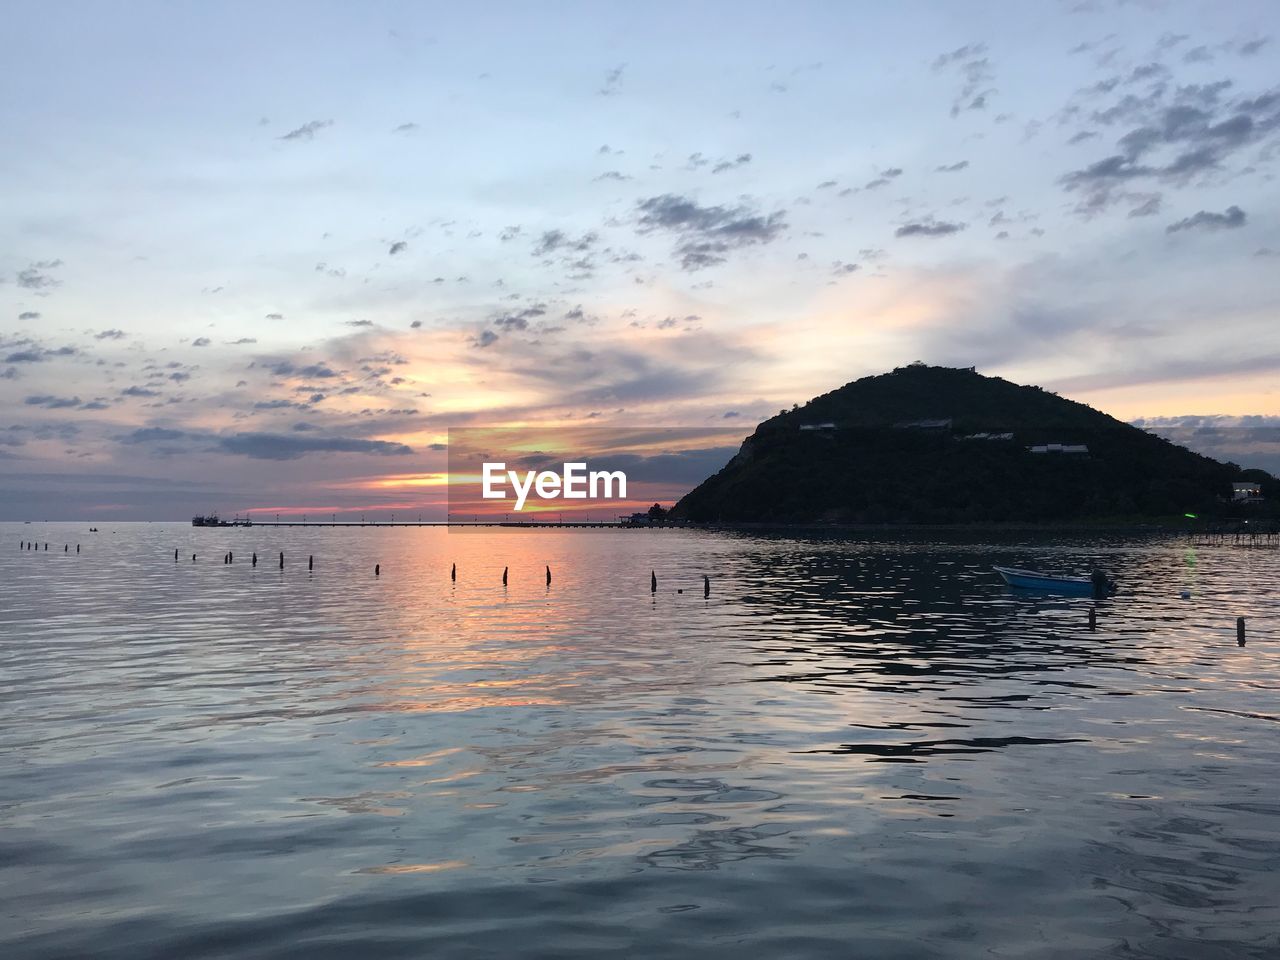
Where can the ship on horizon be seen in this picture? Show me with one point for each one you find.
(213, 520)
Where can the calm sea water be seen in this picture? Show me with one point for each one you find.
(851, 749)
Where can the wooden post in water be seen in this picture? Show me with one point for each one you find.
(281, 559)
(66, 548)
(377, 569)
(77, 548)
(548, 575)
(653, 581)
(255, 559)
(706, 586)
(1093, 618)
(231, 557)
(311, 562)
(453, 573)
(175, 554)
(1240, 631)
(504, 576)
(193, 558)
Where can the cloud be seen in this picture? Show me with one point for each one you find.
(201, 342)
(308, 130)
(153, 435)
(952, 167)
(139, 392)
(110, 335)
(29, 315)
(1148, 205)
(670, 323)
(520, 320)
(557, 240)
(263, 446)
(52, 403)
(286, 368)
(928, 228)
(274, 316)
(405, 128)
(241, 341)
(1230, 219)
(36, 276)
(740, 160)
(35, 353)
(613, 81)
(1172, 135)
(884, 179)
(485, 338)
(708, 234)
(612, 175)
(1251, 440)
(399, 246)
(975, 76)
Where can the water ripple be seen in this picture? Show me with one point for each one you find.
(851, 744)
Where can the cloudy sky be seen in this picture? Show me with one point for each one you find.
(263, 256)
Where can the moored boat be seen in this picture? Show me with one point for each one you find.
(1032, 580)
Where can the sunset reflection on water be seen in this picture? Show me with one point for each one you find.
(197, 748)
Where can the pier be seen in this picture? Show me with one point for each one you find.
(540, 524)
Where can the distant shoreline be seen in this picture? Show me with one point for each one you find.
(1260, 526)
(986, 527)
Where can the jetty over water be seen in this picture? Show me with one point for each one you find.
(427, 523)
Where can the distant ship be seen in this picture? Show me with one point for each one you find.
(212, 520)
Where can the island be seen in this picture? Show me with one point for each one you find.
(940, 445)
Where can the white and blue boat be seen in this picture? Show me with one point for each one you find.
(1031, 580)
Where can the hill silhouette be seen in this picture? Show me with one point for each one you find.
(926, 444)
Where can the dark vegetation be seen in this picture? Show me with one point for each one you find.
(878, 464)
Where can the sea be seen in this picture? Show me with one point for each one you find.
(834, 746)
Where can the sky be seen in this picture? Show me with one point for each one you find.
(263, 256)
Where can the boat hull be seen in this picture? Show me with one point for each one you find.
(1030, 580)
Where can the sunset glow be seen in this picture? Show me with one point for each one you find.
(251, 298)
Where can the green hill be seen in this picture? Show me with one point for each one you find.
(940, 445)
